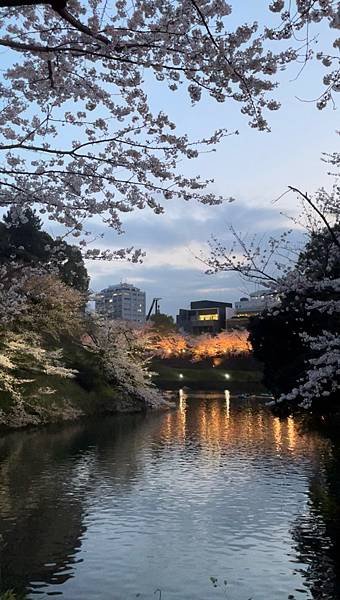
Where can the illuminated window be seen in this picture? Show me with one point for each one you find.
(212, 317)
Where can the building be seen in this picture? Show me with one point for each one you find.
(124, 301)
(252, 306)
(256, 303)
(204, 316)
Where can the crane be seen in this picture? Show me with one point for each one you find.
(155, 303)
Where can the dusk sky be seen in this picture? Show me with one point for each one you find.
(254, 167)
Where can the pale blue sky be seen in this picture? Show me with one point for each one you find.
(254, 167)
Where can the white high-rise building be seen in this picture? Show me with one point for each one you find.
(124, 301)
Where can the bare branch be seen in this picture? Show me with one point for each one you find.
(321, 215)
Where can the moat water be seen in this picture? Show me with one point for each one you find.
(158, 506)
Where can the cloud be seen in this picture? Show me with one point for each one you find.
(216, 290)
(174, 242)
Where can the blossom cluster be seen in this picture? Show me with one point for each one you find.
(122, 352)
(78, 136)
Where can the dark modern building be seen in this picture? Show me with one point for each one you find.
(204, 316)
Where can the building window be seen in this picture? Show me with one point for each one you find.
(212, 317)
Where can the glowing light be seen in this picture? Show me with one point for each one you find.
(277, 430)
(181, 375)
(202, 346)
(227, 376)
(291, 433)
(227, 402)
(182, 400)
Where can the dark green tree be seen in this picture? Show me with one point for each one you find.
(23, 240)
(277, 335)
(162, 322)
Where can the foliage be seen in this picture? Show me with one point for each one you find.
(311, 294)
(9, 595)
(31, 345)
(167, 344)
(226, 343)
(298, 340)
(22, 242)
(44, 341)
(53, 308)
(307, 323)
(40, 302)
(77, 134)
(121, 352)
(162, 323)
(42, 381)
(30, 260)
(23, 358)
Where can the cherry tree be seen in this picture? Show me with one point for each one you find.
(304, 326)
(78, 137)
(121, 350)
(23, 358)
(46, 310)
(196, 348)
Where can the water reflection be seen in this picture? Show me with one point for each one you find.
(317, 531)
(233, 423)
(227, 402)
(129, 504)
(41, 513)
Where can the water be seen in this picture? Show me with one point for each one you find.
(128, 505)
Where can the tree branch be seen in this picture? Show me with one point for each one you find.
(239, 75)
(59, 6)
(318, 212)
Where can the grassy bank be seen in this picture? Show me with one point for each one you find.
(69, 401)
(204, 376)
(50, 397)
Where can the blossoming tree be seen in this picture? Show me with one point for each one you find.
(196, 348)
(299, 339)
(77, 133)
(121, 350)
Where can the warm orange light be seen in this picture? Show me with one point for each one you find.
(225, 343)
(202, 346)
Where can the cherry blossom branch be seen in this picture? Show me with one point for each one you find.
(74, 150)
(47, 172)
(229, 63)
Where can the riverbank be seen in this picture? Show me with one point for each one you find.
(236, 375)
(88, 390)
(82, 387)
(70, 402)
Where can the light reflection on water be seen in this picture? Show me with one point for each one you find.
(129, 504)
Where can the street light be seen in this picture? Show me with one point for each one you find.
(227, 376)
(181, 375)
